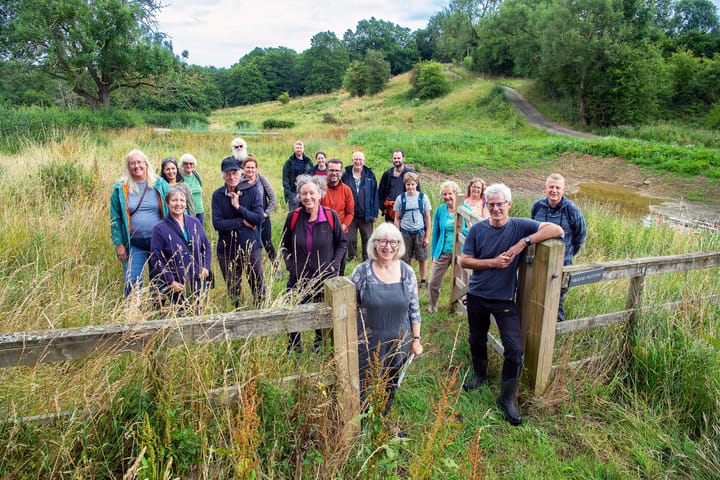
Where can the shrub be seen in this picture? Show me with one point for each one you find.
(66, 181)
(174, 119)
(712, 120)
(284, 98)
(242, 123)
(428, 80)
(329, 118)
(356, 81)
(275, 123)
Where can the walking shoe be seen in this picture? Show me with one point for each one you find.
(422, 285)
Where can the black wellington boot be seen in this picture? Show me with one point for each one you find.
(480, 375)
(506, 401)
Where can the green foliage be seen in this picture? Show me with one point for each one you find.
(394, 42)
(284, 98)
(428, 81)
(712, 120)
(275, 123)
(243, 123)
(248, 85)
(356, 79)
(324, 64)
(96, 47)
(378, 71)
(66, 182)
(175, 120)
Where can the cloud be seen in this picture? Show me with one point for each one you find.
(220, 32)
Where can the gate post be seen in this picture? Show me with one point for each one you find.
(539, 310)
(340, 296)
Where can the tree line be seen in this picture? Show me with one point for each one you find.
(609, 61)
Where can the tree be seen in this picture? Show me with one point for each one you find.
(395, 42)
(695, 15)
(324, 64)
(96, 47)
(378, 71)
(279, 68)
(356, 81)
(428, 80)
(248, 86)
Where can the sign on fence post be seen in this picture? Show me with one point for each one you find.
(340, 296)
(540, 312)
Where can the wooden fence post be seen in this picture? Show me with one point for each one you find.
(540, 312)
(340, 296)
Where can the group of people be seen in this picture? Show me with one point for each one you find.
(329, 204)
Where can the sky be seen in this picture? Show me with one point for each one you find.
(219, 32)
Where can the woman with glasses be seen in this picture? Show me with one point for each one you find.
(388, 314)
(192, 179)
(137, 203)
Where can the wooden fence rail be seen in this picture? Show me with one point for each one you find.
(542, 275)
(337, 313)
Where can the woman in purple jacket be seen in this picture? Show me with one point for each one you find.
(181, 253)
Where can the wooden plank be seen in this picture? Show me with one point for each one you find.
(608, 319)
(647, 266)
(540, 312)
(30, 348)
(341, 297)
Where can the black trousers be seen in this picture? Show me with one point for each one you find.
(508, 322)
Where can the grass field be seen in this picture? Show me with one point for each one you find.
(651, 414)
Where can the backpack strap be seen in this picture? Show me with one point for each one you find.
(328, 214)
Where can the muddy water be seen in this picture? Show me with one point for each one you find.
(632, 201)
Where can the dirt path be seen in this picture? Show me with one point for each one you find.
(537, 119)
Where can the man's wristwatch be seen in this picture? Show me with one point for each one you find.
(528, 242)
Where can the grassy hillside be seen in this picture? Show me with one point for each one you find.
(651, 414)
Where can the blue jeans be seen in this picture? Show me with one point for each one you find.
(133, 269)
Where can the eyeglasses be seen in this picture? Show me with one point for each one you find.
(237, 146)
(496, 205)
(384, 243)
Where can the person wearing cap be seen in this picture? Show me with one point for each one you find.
(192, 179)
(237, 213)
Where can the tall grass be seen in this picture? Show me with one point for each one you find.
(159, 413)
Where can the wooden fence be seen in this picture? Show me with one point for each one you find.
(542, 275)
(338, 313)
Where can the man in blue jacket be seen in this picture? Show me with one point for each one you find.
(363, 184)
(555, 208)
(237, 213)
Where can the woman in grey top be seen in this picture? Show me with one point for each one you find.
(269, 200)
(389, 312)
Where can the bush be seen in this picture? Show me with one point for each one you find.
(284, 98)
(243, 123)
(428, 80)
(712, 120)
(189, 120)
(67, 181)
(274, 123)
(356, 81)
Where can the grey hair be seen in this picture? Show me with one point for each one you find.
(173, 191)
(305, 179)
(127, 176)
(188, 158)
(389, 231)
(498, 189)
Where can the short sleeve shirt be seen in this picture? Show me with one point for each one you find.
(485, 241)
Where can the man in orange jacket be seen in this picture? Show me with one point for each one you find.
(339, 197)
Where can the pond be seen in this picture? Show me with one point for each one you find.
(678, 213)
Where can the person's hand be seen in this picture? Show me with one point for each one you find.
(204, 273)
(504, 259)
(249, 225)
(416, 347)
(345, 228)
(121, 253)
(234, 199)
(426, 241)
(176, 286)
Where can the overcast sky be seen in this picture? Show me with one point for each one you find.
(219, 32)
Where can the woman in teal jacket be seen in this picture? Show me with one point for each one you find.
(137, 203)
(442, 240)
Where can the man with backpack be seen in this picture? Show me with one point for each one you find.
(412, 217)
(392, 184)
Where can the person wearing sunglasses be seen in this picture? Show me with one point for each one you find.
(492, 250)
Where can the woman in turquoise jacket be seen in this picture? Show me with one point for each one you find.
(137, 203)
(442, 240)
